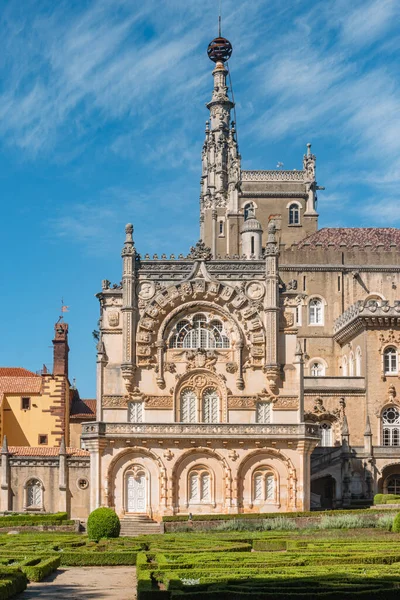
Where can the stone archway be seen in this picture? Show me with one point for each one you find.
(136, 460)
(220, 476)
(285, 481)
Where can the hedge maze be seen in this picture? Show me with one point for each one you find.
(265, 566)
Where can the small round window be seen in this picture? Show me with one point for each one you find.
(82, 483)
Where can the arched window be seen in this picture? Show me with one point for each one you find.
(188, 406)
(135, 412)
(264, 487)
(34, 494)
(390, 361)
(248, 207)
(316, 312)
(358, 362)
(199, 486)
(351, 364)
(317, 369)
(263, 412)
(201, 332)
(393, 484)
(294, 214)
(391, 426)
(210, 406)
(325, 432)
(344, 366)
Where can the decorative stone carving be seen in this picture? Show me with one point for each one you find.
(231, 367)
(170, 367)
(114, 402)
(286, 403)
(272, 374)
(168, 454)
(242, 402)
(292, 285)
(389, 337)
(391, 393)
(233, 455)
(146, 289)
(286, 320)
(201, 359)
(113, 319)
(163, 402)
(200, 252)
(255, 290)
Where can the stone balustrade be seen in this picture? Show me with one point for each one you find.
(273, 175)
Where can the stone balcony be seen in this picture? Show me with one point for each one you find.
(198, 431)
(338, 384)
(372, 313)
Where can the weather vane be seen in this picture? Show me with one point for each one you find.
(220, 49)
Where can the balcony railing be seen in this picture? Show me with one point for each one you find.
(197, 430)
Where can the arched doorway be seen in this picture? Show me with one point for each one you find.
(136, 490)
(325, 488)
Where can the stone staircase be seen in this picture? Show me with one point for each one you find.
(139, 524)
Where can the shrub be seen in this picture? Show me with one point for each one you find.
(345, 522)
(386, 499)
(37, 569)
(396, 524)
(103, 523)
(385, 522)
(379, 499)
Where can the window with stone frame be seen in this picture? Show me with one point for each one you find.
(200, 331)
(390, 361)
(210, 406)
(344, 366)
(315, 312)
(135, 412)
(317, 369)
(294, 214)
(188, 406)
(393, 484)
(263, 412)
(34, 494)
(264, 486)
(326, 434)
(391, 426)
(199, 486)
(358, 362)
(351, 364)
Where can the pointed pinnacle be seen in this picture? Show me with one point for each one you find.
(345, 427)
(4, 449)
(62, 446)
(368, 427)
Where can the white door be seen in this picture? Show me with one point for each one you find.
(136, 492)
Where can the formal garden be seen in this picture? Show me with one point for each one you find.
(348, 554)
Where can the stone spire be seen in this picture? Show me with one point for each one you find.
(220, 176)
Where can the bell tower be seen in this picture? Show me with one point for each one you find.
(220, 178)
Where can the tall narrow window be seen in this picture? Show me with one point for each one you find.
(390, 361)
(325, 430)
(344, 366)
(135, 412)
(294, 214)
(298, 314)
(316, 312)
(263, 412)
(391, 426)
(264, 485)
(34, 494)
(358, 362)
(221, 228)
(188, 406)
(351, 364)
(252, 244)
(210, 406)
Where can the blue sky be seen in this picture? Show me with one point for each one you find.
(102, 111)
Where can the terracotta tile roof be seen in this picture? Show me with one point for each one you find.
(83, 408)
(375, 237)
(44, 451)
(20, 385)
(16, 372)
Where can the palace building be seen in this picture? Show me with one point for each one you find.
(258, 373)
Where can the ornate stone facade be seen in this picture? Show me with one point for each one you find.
(225, 368)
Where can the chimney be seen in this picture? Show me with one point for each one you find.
(60, 349)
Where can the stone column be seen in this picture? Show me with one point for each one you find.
(129, 313)
(299, 366)
(214, 233)
(5, 477)
(271, 308)
(304, 448)
(62, 478)
(95, 447)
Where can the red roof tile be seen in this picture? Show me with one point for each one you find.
(16, 372)
(375, 237)
(83, 408)
(44, 451)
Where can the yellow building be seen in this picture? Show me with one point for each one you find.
(34, 409)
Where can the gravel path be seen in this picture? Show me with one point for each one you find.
(85, 583)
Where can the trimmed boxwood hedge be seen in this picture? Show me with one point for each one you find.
(37, 569)
(12, 582)
(103, 523)
(386, 499)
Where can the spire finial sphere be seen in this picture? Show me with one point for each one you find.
(219, 50)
